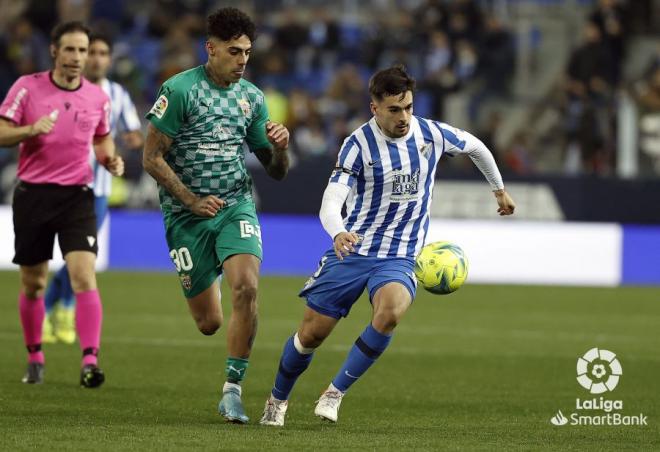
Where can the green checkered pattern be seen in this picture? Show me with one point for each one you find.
(209, 125)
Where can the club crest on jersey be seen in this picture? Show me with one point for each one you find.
(159, 108)
(405, 186)
(425, 150)
(186, 281)
(245, 106)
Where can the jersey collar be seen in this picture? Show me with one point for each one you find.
(52, 80)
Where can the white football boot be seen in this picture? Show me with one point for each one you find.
(327, 406)
(274, 412)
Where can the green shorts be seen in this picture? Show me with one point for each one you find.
(199, 246)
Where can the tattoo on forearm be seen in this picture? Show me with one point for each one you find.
(276, 163)
(157, 145)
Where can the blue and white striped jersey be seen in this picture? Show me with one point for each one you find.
(391, 182)
(123, 118)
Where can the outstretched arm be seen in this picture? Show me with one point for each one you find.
(275, 159)
(483, 159)
(155, 148)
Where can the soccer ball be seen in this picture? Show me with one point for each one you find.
(441, 267)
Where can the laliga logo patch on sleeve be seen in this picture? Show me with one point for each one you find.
(159, 108)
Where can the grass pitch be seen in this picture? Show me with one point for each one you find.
(483, 369)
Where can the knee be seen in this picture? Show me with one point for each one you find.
(208, 327)
(33, 286)
(82, 281)
(386, 321)
(310, 339)
(245, 293)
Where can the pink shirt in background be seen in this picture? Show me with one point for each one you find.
(61, 156)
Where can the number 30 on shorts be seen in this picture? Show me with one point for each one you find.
(182, 259)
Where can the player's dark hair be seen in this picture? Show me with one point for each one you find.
(230, 23)
(391, 82)
(100, 37)
(67, 27)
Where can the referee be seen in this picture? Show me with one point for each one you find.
(56, 116)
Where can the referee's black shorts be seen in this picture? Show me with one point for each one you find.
(43, 210)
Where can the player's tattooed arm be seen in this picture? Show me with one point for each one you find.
(275, 160)
(156, 146)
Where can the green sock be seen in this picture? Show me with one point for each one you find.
(236, 368)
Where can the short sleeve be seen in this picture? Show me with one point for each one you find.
(256, 137)
(103, 128)
(167, 114)
(13, 106)
(349, 163)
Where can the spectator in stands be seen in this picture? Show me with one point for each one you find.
(588, 103)
(291, 35)
(517, 157)
(345, 95)
(310, 140)
(177, 51)
(301, 106)
(324, 35)
(495, 66)
(647, 95)
(439, 78)
(466, 61)
(26, 49)
(468, 12)
(431, 16)
(608, 17)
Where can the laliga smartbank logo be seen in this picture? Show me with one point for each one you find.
(598, 371)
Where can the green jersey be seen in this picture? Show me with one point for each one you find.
(208, 125)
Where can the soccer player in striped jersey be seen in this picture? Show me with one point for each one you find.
(125, 122)
(384, 175)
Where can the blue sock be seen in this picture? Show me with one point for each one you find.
(366, 350)
(54, 291)
(292, 365)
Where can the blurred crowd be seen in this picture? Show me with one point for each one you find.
(313, 61)
(590, 87)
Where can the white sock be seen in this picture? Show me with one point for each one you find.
(233, 386)
(299, 346)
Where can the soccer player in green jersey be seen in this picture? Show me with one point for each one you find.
(194, 150)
